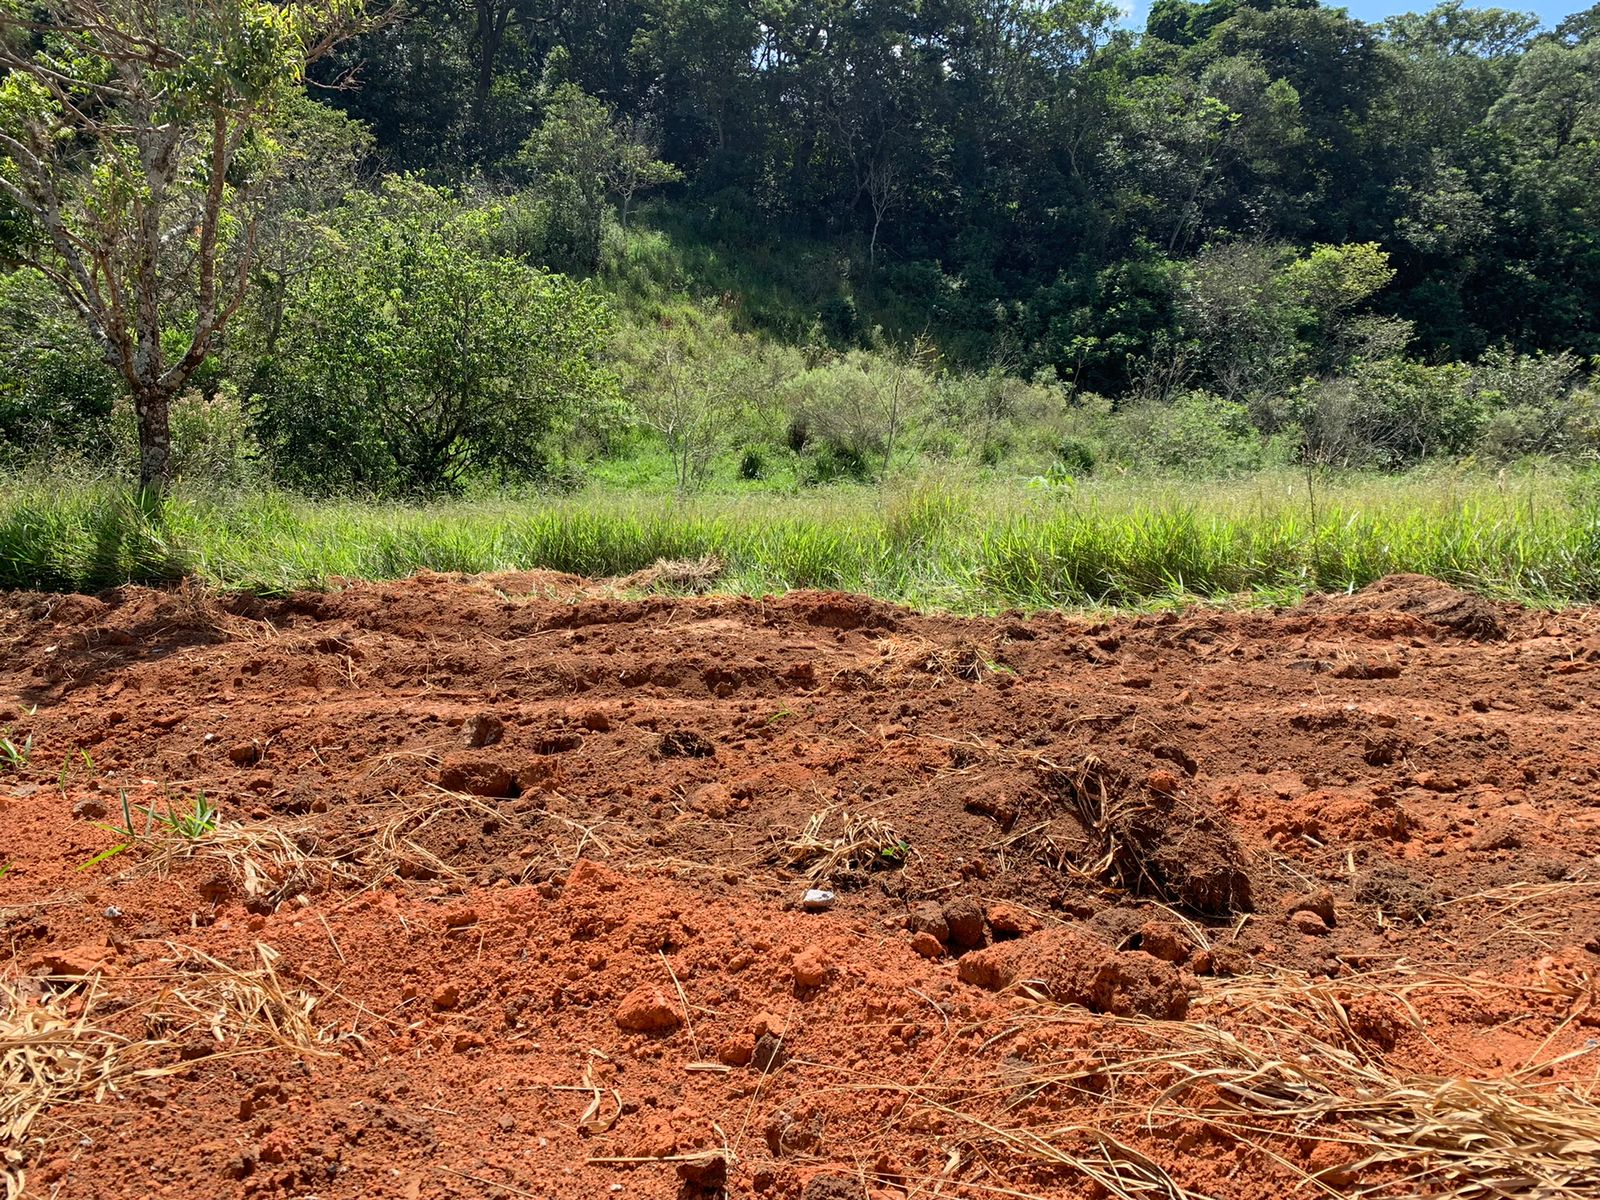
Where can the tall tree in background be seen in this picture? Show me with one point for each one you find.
(577, 158)
(137, 142)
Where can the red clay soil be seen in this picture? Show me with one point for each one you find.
(505, 894)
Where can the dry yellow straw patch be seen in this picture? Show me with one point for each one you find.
(244, 1010)
(1275, 1063)
(857, 842)
(47, 1058)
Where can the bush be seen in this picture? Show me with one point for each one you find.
(410, 358)
(1077, 456)
(1196, 434)
(1535, 405)
(753, 464)
(56, 392)
(853, 410)
(212, 440)
(1402, 412)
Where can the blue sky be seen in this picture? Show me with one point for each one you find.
(1551, 12)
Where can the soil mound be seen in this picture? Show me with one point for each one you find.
(1463, 614)
(1151, 836)
(1070, 967)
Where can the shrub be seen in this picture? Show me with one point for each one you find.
(855, 408)
(1077, 456)
(212, 439)
(1402, 412)
(410, 358)
(1535, 405)
(56, 391)
(1196, 434)
(753, 463)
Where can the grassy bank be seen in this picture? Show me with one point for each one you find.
(934, 542)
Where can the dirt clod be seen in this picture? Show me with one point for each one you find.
(736, 1052)
(482, 729)
(647, 1010)
(964, 919)
(812, 967)
(927, 945)
(1440, 605)
(1163, 940)
(1318, 901)
(929, 918)
(474, 775)
(1072, 968)
(1309, 923)
(833, 1187)
(244, 754)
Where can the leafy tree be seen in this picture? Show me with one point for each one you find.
(411, 359)
(691, 391)
(138, 148)
(1331, 285)
(55, 388)
(578, 158)
(701, 53)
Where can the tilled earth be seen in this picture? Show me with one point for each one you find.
(504, 895)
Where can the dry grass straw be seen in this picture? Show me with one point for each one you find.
(856, 844)
(694, 575)
(1276, 1063)
(964, 657)
(1106, 811)
(55, 1053)
(270, 862)
(48, 1057)
(243, 1010)
(267, 862)
(394, 846)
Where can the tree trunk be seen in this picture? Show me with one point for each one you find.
(153, 409)
(489, 34)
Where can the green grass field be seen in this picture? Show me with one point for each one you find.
(946, 542)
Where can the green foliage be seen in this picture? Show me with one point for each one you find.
(213, 439)
(1395, 413)
(189, 826)
(14, 755)
(846, 414)
(137, 156)
(952, 542)
(411, 359)
(694, 389)
(904, 234)
(576, 160)
(1197, 434)
(56, 392)
(1538, 405)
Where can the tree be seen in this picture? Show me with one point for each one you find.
(692, 398)
(578, 157)
(413, 357)
(137, 143)
(637, 167)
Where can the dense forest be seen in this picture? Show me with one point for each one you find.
(516, 239)
(1026, 176)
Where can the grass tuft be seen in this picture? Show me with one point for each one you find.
(937, 543)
